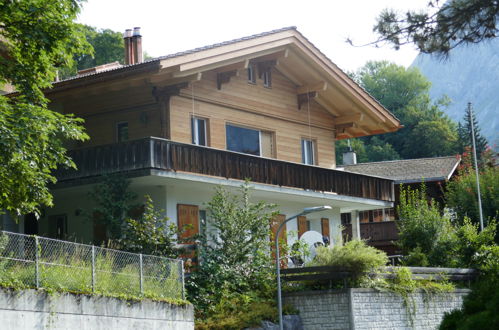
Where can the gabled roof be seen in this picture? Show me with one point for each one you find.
(356, 112)
(410, 170)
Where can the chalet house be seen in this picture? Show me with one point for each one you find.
(268, 107)
(378, 226)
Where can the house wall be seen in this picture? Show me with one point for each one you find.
(250, 105)
(77, 205)
(29, 309)
(238, 102)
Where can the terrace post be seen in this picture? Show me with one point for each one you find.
(93, 268)
(37, 257)
(141, 275)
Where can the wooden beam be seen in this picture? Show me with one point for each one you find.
(236, 66)
(317, 87)
(344, 126)
(349, 118)
(171, 80)
(271, 57)
(327, 105)
(224, 77)
(304, 98)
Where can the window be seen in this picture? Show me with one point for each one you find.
(249, 141)
(122, 131)
(346, 218)
(198, 130)
(58, 226)
(251, 74)
(267, 78)
(307, 151)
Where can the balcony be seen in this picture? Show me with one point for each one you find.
(377, 234)
(161, 154)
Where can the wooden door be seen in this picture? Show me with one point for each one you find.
(325, 227)
(302, 225)
(274, 226)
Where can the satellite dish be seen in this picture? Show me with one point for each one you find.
(313, 240)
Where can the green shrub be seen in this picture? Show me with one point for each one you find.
(425, 236)
(355, 256)
(480, 307)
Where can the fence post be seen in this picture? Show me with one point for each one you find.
(93, 268)
(141, 279)
(37, 270)
(182, 278)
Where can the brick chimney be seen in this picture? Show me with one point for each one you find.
(133, 46)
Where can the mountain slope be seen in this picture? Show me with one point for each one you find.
(471, 74)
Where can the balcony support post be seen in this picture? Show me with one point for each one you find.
(355, 225)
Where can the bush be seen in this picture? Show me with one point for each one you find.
(355, 256)
(480, 307)
(426, 237)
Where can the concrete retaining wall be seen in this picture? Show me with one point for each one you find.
(371, 309)
(30, 309)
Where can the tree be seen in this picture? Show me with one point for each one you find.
(234, 252)
(464, 135)
(150, 233)
(107, 46)
(35, 37)
(453, 22)
(427, 131)
(114, 202)
(461, 194)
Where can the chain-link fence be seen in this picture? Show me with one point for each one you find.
(38, 262)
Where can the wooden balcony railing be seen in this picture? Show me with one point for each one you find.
(374, 232)
(161, 154)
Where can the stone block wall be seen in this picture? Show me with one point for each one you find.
(371, 309)
(31, 309)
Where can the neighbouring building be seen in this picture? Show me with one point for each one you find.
(378, 226)
(268, 107)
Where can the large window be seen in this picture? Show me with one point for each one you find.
(198, 130)
(243, 139)
(250, 141)
(308, 151)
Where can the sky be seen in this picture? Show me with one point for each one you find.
(173, 26)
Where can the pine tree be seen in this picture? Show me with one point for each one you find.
(464, 132)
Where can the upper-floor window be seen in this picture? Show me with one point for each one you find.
(251, 74)
(267, 77)
(249, 141)
(122, 131)
(198, 130)
(308, 151)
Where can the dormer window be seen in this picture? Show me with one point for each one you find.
(251, 74)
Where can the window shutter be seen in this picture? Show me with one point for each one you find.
(188, 220)
(274, 226)
(302, 225)
(325, 227)
(266, 143)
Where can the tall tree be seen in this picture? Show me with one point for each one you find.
(405, 92)
(442, 27)
(465, 134)
(35, 37)
(106, 46)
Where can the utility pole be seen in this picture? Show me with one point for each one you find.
(470, 111)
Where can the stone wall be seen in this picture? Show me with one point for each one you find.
(31, 309)
(371, 309)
